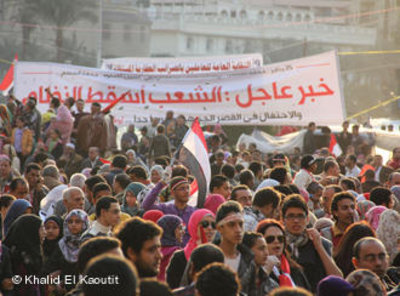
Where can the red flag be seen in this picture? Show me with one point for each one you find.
(334, 147)
(8, 80)
(104, 161)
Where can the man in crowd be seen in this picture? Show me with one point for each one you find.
(220, 185)
(352, 170)
(93, 159)
(394, 163)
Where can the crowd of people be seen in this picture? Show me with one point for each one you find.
(74, 207)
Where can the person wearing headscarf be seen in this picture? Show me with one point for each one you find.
(171, 240)
(18, 208)
(363, 207)
(201, 228)
(64, 258)
(24, 239)
(388, 231)
(153, 215)
(130, 203)
(373, 215)
(54, 232)
(156, 173)
(334, 285)
(213, 201)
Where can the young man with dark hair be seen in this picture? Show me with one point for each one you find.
(370, 253)
(121, 181)
(121, 275)
(19, 188)
(118, 166)
(139, 174)
(217, 279)
(228, 171)
(242, 194)
(307, 247)
(381, 196)
(107, 216)
(230, 224)
(180, 190)
(279, 174)
(343, 211)
(246, 177)
(36, 189)
(266, 201)
(220, 185)
(141, 244)
(305, 176)
(218, 163)
(352, 170)
(347, 184)
(327, 196)
(100, 190)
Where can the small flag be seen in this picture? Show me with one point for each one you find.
(8, 80)
(334, 147)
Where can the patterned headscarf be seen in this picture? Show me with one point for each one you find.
(373, 215)
(363, 207)
(366, 283)
(169, 223)
(388, 231)
(70, 243)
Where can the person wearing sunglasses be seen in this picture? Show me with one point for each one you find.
(285, 271)
(202, 229)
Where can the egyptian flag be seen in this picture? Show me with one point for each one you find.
(334, 147)
(8, 80)
(194, 155)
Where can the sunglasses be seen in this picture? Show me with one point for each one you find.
(271, 238)
(205, 224)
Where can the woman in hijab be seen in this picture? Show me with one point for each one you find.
(201, 229)
(24, 239)
(366, 283)
(153, 215)
(156, 174)
(173, 231)
(373, 215)
(54, 232)
(388, 231)
(363, 207)
(213, 201)
(130, 204)
(18, 208)
(64, 258)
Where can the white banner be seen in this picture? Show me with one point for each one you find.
(289, 93)
(187, 65)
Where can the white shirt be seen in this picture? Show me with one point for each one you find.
(354, 172)
(233, 263)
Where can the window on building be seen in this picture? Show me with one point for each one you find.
(233, 13)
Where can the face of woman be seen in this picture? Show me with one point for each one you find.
(52, 230)
(208, 225)
(260, 251)
(179, 233)
(274, 238)
(75, 225)
(155, 176)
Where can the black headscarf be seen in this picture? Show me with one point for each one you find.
(50, 245)
(24, 242)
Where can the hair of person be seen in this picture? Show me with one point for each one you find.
(279, 174)
(358, 245)
(55, 102)
(6, 200)
(348, 183)
(250, 238)
(153, 287)
(205, 254)
(160, 128)
(15, 181)
(287, 291)
(77, 180)
(380, 196)
(100, 187)
(217, 181)
(217, 279)
(353, 158)
(179, 170)
(93, 180)
(284, 189)
(385, 173)
(294, 201)
(246, 176)
(344, 251)
(311, 124)
(336, 188)
(239, 167)
(123, 180)
(105, 265)
(104, 203)
(329, 164)
(32, 167)
(267, 196)
(139, 172)
(134, 232)
(93, 247)
(236, 189)
(294, 188)
(337, 197)
(40, 157)
(255, 167)
(227, 208)
(51, 171)
(67, 192)
(228, 170)
(119, 161)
